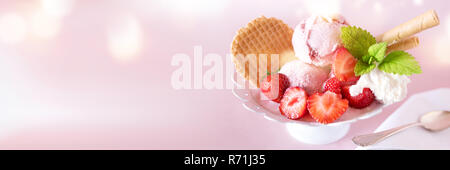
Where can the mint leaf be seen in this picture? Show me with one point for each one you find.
(378, 51)
(371, 59)
(367, 59)
(356, 40)
(400, 62)
(363, 68)
(375, 52)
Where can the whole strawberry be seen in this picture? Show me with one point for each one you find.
(274, 86)
(350, 81)
(332, 85)
(359, 101)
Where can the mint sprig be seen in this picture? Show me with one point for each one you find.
(362, 45)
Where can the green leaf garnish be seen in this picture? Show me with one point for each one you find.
(367, 59)
(371, 60)
(400, 62)
(362, 45)
(356, 40)
(363, 68)
(378, 51)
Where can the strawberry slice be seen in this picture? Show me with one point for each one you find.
(274, 86)
(293, 104)
(344, 64)
(327, 107)
(333, 85)
(359, 101)
(350, 81)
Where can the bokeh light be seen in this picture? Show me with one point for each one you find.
(125, 38)
(448, 26)
(322, 7)
(57, 8)
(13, 28)
(377, 7)
(358, 3)
(442, 51)
(197, 8)
(418, 2)
(45, 26)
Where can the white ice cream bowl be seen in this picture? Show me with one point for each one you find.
(305, 129)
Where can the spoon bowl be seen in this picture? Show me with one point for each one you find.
(436, 120)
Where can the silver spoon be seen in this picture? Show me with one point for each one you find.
(432, 121)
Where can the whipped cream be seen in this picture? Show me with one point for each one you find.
(388, 88)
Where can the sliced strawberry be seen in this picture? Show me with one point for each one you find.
(333, 85)
(293, 104)
(327, 107)
(359, 101)
(350, 81)
(344, 64)
(274, 86)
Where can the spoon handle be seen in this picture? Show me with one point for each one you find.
(370, 139)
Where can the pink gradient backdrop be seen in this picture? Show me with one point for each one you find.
(70, 90)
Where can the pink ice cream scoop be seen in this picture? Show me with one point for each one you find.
(306, 76)
(316, 38)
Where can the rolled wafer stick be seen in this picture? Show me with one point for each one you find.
(405, 44)
(422, 22)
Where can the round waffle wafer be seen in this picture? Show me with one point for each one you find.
(255, 46)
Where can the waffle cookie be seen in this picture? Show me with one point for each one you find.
(255, 46)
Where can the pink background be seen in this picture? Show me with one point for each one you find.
(66, 84)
